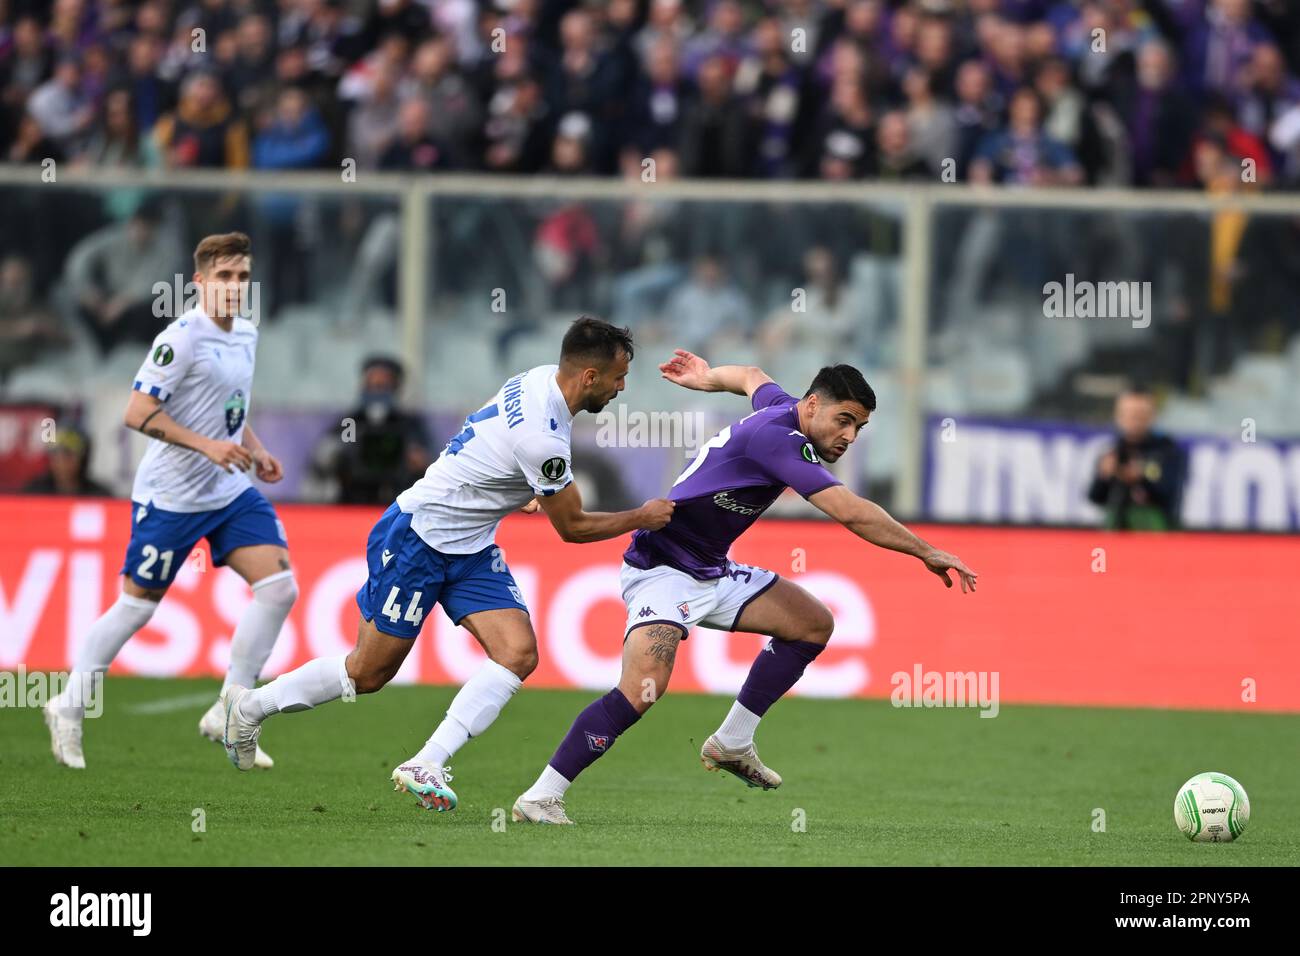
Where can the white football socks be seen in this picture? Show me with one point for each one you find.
(316, 682)
(737, 731)
(105, 638)
(471, 712)
(550, 784)
(258, 627)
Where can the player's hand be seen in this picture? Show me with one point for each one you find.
(687, 370)
(656, 513)
(1106, 466)
(228, 456)
(531, 507)
(941, 562)
(268, 466)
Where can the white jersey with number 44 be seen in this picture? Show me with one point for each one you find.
(514, 448)
(204, 377)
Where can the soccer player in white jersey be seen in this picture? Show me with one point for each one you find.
(191, 396)
(435, 544)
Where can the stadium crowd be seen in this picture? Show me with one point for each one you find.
(1022, 92)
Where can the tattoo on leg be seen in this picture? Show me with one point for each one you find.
(663, 643)
(284, 564)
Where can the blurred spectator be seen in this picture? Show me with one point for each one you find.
(735, 88)
(656, 110)
(723, 38)
(414, 148)
(373, 124)
(1271, 93)
(518, 131)
(821, 318)
(1022, 154)
(151, 95)
(1220, 47)
(714, 135)
(455, 115)
(295, 139)
(931, 126)
(706, 308)
(116, 141)
(845, 139)
(1159, 118)
(895, 158)
(204, 129)
(382, 449)
(977, 112)
(31, 145)
(27, 328)
(59, 106)
(69, 466)
(23, 67)
(1140, 480)
(776, 94)
(111, 273)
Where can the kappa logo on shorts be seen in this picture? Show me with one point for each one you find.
(646, 611)
(598, 743)
(684, 609)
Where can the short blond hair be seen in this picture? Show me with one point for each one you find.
(221, 246)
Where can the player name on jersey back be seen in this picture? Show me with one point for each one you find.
(514, 448)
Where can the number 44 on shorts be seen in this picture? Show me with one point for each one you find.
(393, 611)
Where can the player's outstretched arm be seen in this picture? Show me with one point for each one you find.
(690, 371)
(576, 526)
(873, 523)
(145, 413)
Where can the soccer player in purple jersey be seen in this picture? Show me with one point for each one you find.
(680, 575)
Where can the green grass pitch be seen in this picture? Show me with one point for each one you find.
(870, 784)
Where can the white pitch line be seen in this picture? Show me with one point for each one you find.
(169, 704)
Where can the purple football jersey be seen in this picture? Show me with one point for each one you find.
(737, 474)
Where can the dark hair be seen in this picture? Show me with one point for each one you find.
(591, 339)
(843, 383)
(385, 362)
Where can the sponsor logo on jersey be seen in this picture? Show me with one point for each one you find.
(553, 468)
(809, 454)
(235, 408)
(598, 743)
(724, 500)
(163, 355)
